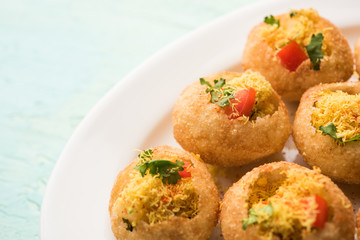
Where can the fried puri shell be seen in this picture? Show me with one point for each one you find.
(203, 128)
(259, 56)
(234, 207)
(357, 55)
(341, 162)
(358, 223)
(198, 227)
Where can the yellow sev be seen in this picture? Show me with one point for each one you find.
(149, 199)
(294, 207)
(341, 109)
(264, 92)
(300, 27)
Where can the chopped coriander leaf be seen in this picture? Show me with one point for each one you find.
(314, 50)
(204, 82)
(166, 170)
(129, 227)
(220, 93)
(218, 84)
(145, 155)
(331, 131)
(357, 137)
(252, 219)
(253, 215)
(272, 21)
(293, 13)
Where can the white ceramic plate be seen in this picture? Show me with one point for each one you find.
(136, 114)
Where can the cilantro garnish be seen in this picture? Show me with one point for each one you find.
(331, 131)
(272, 21)
(253, 215)
(220, 93)
(129, 227)
(357, 137)
(314, 50)
(250, 220)
(164, 169)
(293, 13)
(145, 155)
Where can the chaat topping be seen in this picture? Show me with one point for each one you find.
(271, 21)
(300, 29)
(148, 197)
(167, 170)
(246, 96)
(220, 93)
(337, 114)
(292, 206)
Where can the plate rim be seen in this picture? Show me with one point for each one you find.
(127, 81)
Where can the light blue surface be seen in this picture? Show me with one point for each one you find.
(58, 58)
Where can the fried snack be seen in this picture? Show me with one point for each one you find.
(223, 135)
(298, 50)
(357, 55)
(358, 224)
(152, 200)
(283, 200)
(326, 130)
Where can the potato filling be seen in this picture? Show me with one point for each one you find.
(298, 25)
(338, 109)
(285, 207)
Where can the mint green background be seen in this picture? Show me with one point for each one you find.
(57, 59)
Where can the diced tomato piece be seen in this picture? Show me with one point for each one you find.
(322, 215)
(185, 173)
(241, 104)
(291, 56)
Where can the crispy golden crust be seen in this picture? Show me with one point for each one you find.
(199, 227)
(358, 224)
(357, 55)
(340, 162)
(234, 208)
(258, 56)
(204, 128)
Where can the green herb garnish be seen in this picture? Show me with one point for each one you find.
(253, 215)
(220, 93)
(314, 50)
(145, 155)
(129, 227)
(331, 131)
(250, 220)
(164, 169)
(272, 21)
(357, 137)
(293, 14)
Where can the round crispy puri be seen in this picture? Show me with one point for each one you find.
(202, 127)
(234, 207)
(358, 224)
(357, 55)
(198, 227)
(259, 56)
(340, 162)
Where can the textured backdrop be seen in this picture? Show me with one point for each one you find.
(58, 58)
